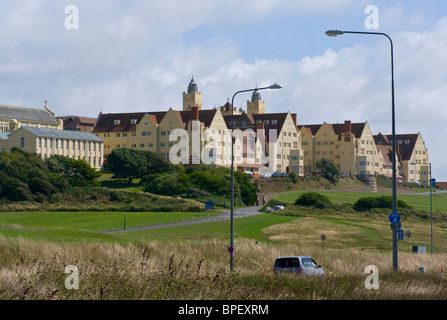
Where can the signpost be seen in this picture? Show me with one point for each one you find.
(323, 237)
(408, 235)
(394, 218)
(209, 205)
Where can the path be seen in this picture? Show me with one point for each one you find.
(225, 215)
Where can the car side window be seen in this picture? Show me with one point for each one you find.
(309, 263)
(287, 263)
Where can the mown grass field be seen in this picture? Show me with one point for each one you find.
(192, 262)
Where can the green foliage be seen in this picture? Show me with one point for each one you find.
(293, 176)
(128, 163)
(313, 199)
(168, 184)
(368, 203)
(204, 179)
(131, 164)
(328, 170)
(77, 172)
(248, 191)
(23, 176)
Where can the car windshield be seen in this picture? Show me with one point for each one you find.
(287, 263)
(308, 263)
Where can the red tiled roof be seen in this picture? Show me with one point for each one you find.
(106, 122)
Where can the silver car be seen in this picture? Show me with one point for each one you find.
(297, 264)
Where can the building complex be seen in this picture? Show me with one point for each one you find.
(263, 142)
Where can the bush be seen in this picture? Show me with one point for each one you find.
(293, 176)
(385, 202)
(313, 199)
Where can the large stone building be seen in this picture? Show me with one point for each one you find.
(14, 117)
(47, 142)
(356, 151)
(195, 135)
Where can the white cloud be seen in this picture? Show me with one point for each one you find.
(130, 56)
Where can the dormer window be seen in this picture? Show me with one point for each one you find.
(116, 122)
(133, 121)
(274, 122)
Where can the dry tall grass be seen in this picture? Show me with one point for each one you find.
(200, 270)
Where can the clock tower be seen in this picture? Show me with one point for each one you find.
(192, 98)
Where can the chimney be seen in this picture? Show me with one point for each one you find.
(347, 126)
(347, 132)
(260, 126)
(195, 113)
(294, 118)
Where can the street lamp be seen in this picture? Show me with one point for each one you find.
(431, 212)
(394, 226)
(231, 249)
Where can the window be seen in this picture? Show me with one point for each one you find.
(22, 142)
(116, 122)
(118, 135)
(133, 121)
(125, 134)
(141, 145)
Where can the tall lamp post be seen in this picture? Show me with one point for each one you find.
(431, 210)
(395, 225)
(231, 249)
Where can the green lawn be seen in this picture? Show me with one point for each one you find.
(84, 226)
(61, 225)
(250, 227)
(417, 201)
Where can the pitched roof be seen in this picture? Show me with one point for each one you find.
(72, 122)
(106, 122)
(60, 134)
(405, 143)
(27, 114)
(387, 154)
(339, 128)
(205, 117)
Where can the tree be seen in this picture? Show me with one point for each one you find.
(78, 172)
(248, 191)
(328, 170)
(128, 163)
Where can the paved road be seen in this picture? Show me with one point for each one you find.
(225, 215)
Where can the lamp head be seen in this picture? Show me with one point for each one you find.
(334, 33)
(275, 86)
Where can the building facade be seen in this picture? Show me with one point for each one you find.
(205, 135)
(47, 142)
(412, 156)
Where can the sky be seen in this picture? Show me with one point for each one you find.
(86, 57)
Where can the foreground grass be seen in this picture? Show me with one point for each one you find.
(196, 270)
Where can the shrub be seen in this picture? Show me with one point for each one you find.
(313, 199)
(293, 176)
(385, 202)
